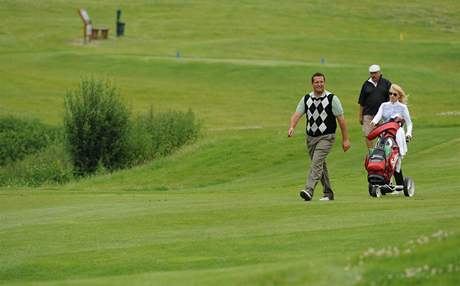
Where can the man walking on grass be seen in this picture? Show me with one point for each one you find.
(373, 93)
(323, 110)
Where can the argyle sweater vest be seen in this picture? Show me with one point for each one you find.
(320, 119)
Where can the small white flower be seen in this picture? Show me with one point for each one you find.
(423, 240)
(410, 272)
(380, 252)
(439, 233)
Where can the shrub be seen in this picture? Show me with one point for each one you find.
(171, 130)
(140, 144)
(50, 165)
(96, 125)
(22, 137)
(162, 133)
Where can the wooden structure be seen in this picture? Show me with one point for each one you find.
(90, 32)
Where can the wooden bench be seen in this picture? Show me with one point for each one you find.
(90, 32)
(104, 33)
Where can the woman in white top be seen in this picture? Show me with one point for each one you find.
(393, 109)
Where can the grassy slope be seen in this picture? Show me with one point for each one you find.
(225, 210)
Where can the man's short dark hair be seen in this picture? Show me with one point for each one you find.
(317, 74)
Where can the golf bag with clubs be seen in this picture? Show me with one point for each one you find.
(382, 160)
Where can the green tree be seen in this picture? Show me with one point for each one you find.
(96, 124)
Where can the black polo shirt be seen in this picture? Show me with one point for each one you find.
(372, 96)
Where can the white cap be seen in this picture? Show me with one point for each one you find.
(374, 68)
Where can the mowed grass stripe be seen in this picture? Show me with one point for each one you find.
(176, 241)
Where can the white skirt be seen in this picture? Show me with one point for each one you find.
(401, 141)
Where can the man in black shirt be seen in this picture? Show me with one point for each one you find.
(373, 93)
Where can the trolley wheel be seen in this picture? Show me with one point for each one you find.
(409, 187)
(374, 191)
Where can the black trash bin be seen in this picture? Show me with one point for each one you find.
(120, 29)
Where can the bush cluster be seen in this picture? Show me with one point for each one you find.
(99, 134)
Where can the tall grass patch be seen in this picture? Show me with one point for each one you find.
(21, 137)
(51, 165)
(160, 134)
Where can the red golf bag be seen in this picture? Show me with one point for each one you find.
(381, 161)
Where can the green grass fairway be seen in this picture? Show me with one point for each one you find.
(226, 210)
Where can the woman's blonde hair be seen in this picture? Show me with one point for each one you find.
(402, 95)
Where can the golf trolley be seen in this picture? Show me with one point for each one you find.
(382, 160)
